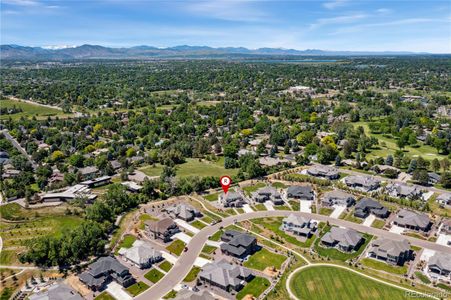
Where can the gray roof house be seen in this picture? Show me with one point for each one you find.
(362, 183)
(298, 225)
(301, 192)
(391, 251)
(440, 263)
(267, 193)
(89, 172)
(161, 229)
(400, 190)
(185, 294)
(225, 275)
(412, 220)
(238, 244)
(323, 171)
(183, 211)
(103, 271)
(444, 199)
(57, 291)
(337, 197)
(343, 239)
(232, 199)
(367, 206)
(141, 254)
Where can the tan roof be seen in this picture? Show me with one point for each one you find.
(160, 225)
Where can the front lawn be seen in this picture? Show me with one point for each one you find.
(192, 275)
(154, 275)
(198, 224)
(323, 283)
(255, 288)
(380, 265)
(211, 197)
(252, 188)
(104, 296)
(137, 288)
(378, 223)
(176, 247)
(208, 249)
(325, 211)
(165, 266)
(172, 294)
(260, 206)
(264, 258)
(422, 277)
(216, 236)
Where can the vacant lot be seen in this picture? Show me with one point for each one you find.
(29, 110)
(320, 283)
(263, 259)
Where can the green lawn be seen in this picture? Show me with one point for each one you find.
(154, 275)
(208, 249)
(335, 254)
(217, 235)
(260, 206)
(146, 217)
(207, 219)
(255, 288)
(279, 185)
(198, 224)
(264, 258)
(422, 277)
(192, 275)
(252, 188)
(127, 241)
(380, 265)
(176, 247)
(378, 223)
(324, 283)
(137, 288)
(153, 170)
(29, 110)
(295, 205)
(444, 286)
(172, 294)
(350, 217)
(325, 211)
(211, 197)
(104, 296)
(165, 266)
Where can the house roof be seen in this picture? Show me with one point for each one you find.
(366, 181)
(368, 203)
(224, 273)
(408, 217)
(88, 170)
(441, 260)
(182, 210)
(141, 252)
(300, 190)
(191, 295)
(337, 194)
(297, 220)
(383, 247)
(322, 170)
(404, 189)
(344, 236)
(58, 291)
(160, 225)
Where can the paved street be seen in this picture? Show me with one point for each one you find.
(187, 259)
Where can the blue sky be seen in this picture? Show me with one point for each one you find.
(376, 25)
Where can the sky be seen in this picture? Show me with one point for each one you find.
(365, 25)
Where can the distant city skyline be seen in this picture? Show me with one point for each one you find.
(340, 25)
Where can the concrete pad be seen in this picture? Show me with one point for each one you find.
(178, 287)
(169, 257)
(427, 254)
(305, 206)
(200, 262)
(337, 212)
(182, 236)
(443, 239)
(369, 220)
(186, 225)
(247, 208)
(115, 290)
(268, 205)
(213, 243)
(396, 229)
(427, 195)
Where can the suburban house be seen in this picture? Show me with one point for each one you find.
(185, 294)
(232, 199)
(440, 264)
(433, 178)
(238, 244)
(4, 158)
(298, 225)
(115, 164)
(162, 229)
(76, 191)
(132, 186)
(323, 171)
(343, 239)
(412, 220)
(367, 206)
(362, 183)
(446, 227)
(267, 193)
(400, 190)
(301, 192)
(57, 291)
(225, 276)
(88, 172)
(96, 182)
(141, 254)
(444, 199)
(183, 211)
(391, 251)
(105, 270)
(339, 198)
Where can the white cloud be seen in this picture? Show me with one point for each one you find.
(345, 19)
(335, 4)
(384, 11)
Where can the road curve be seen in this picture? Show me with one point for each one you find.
(186, 260)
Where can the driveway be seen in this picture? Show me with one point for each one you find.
(305, 206)
(337, 212)
(186, 225)
(396, 229)
(369, 220)
(115, 290)
(169, 257)
(268, 205)
(247, 208)
(183, 237)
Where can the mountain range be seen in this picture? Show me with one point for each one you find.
(17, 52)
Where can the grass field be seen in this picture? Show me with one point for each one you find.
(176, 247)
(217, 235)
(208, 249)
(165, 266)
(426, 151)
(252, 188)
(378, 223)
(211, 197)
(264, 258)
(325, 211)
(422, 277)
(324, 283)
(260, 206)
(29, 110)
(350, 217)
(379, 265)
(154, 275)
(127, 242)
(104, 296)
(198, 224)
(255, 288)
(192, 275)
(137, 288)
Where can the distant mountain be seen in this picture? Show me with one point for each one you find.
(17, 52)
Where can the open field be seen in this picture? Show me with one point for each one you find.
(319, 283)
(255, 288)
(264, 258)
(29, 110)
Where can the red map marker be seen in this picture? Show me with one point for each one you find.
(225, 183)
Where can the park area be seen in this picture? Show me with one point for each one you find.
(319, 283)
(29, 110)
